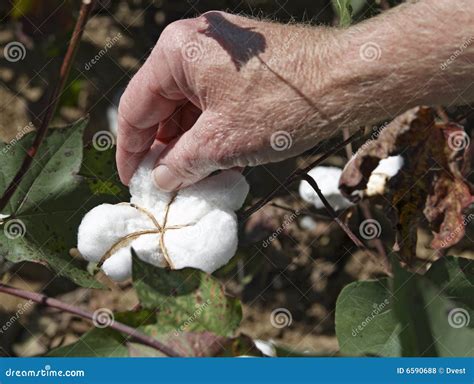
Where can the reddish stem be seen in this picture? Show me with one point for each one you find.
(84, 14)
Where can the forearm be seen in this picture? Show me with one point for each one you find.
(420, 53)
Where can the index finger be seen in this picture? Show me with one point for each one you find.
(142, 107)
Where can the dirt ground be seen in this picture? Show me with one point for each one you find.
(302, 270)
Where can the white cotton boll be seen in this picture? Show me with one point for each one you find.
(147, 248)
(119, 266)
(226, 190)
(328, 181)
(386, 169)
(200, 230)
(389, 166)
(104, 225)
(266, 347)
(207, 245)
(308, 223)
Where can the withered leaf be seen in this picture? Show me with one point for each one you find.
(429, 185)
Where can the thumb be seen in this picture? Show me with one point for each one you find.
(187, 159)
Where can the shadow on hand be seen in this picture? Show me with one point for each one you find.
(242, 44)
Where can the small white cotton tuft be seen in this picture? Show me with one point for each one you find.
(200, 230)
(328, 181)
(119, 266)
(389, 166)
(386, 169)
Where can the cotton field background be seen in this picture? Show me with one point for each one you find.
(384, 253)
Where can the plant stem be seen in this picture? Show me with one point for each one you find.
(86, 8)
(343, 226)
(133, 334)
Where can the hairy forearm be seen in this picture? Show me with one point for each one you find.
(420, 53)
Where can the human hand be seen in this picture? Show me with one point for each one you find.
(223, 91)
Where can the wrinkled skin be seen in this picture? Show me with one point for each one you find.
(227, 91)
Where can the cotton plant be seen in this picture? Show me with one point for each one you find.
(328, 182)
(385, 170)
(196, 227)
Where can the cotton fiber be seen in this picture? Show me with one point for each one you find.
(197, 227)
(328, 182)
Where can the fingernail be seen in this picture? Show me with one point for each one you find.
(165, 179)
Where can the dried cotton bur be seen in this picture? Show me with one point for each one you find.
(197, 227)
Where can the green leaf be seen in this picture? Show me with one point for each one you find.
(100, 174)
(344, 11)
(107, 342)
(365, 323)
(347, 9)
(455, 277)
(425, 316)
(185, 300)
(52, 198)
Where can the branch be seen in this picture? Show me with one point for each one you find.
(134, 335)
(336, 218)
(84, 14)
